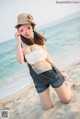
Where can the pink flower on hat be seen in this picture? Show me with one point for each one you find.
(22, 30)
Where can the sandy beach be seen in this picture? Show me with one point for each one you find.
(25, 103)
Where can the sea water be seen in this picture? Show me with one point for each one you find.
(63, 44)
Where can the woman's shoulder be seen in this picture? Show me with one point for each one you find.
(26, 49)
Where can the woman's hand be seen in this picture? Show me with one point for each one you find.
(64, 75)
(18, 37)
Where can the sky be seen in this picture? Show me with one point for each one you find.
(43, 11)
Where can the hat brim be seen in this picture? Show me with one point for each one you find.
(25, 23)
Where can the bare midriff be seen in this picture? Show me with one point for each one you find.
(43, 65)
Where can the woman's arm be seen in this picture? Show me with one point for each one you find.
(50, 60)
(19, 53)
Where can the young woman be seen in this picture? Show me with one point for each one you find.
(31, 49)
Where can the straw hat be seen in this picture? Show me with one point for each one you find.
(24, 18)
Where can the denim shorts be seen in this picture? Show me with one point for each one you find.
(42, 81)
(55, 80)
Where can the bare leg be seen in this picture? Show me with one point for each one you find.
(64, 92)
(69, 86)
(45, 99)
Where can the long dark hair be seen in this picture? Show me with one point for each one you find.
(37, 39)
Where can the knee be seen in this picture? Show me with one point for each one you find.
(67, 100)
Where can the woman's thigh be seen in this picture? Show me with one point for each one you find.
(63, 93)
(46, 99)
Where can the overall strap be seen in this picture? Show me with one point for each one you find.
(21, 45)
(23, 55)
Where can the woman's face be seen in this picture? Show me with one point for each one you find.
(26, 31)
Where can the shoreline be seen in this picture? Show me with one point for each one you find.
(64, 69)
(18, 92)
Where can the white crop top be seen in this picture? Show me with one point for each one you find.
(36, 56)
